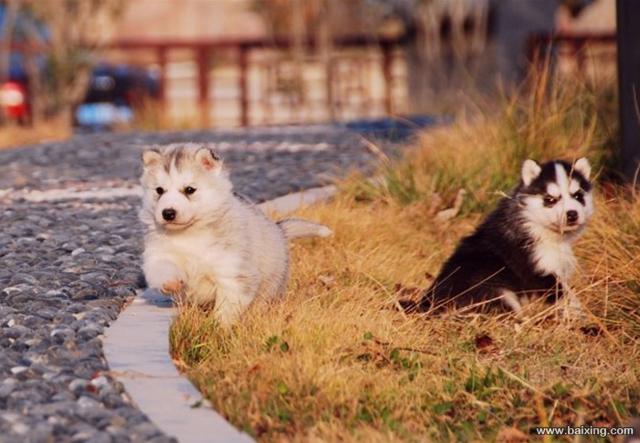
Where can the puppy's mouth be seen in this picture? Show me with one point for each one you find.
(565, 228)
(176, 226)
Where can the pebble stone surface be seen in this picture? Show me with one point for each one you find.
(68, 267)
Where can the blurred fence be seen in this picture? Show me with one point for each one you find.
(592, 54)
(250, 82)
(241, 82)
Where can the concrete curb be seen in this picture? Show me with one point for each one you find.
(136, 347)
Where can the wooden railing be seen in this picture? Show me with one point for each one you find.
(542, 46)
(204, 52)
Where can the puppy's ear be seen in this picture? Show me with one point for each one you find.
(208, 159)
(583, 167)
(151, 158)
(530, 171)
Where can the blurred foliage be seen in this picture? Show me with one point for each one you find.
(550, 117)
(62, 37)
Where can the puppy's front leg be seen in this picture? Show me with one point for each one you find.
(234, 295)
(164, 275)
(572, 308)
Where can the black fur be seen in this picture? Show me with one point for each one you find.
(495, 257)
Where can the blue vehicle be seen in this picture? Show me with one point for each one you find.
(114, 93)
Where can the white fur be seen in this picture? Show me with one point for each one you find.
(572, 307)
(530, 170)
(219, 249)
(554, 190)
(574, 186)
(511, 300)
(583, 167)
(552, 253)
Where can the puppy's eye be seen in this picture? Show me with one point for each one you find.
(579, 196)
(189, 190)
(159, 190)
(549, 201)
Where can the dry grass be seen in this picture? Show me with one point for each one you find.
(551, 119)
(335, 361)
(51, 130)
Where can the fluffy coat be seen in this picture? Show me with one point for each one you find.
(522, 251)
(205, 243)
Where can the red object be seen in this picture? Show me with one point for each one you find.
(13, 100)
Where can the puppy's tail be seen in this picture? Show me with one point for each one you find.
(299, 228)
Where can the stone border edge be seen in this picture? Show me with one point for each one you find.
(136, 347)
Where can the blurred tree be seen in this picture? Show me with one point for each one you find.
(469, 46)
(446, 34)
(459, 48)
(301, 20)
(449, 36)
(75, 29)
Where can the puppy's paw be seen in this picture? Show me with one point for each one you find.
(172, 287)
(572, 310)
(572, 314)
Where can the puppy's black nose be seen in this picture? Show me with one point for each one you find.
(572, 217)
(169, 214)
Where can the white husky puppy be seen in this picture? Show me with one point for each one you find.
(202, 241)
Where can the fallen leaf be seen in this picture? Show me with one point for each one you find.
(447, 214)
(327, 280)
(484, 342)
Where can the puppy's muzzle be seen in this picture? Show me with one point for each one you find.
(169, 214)
(572, 217)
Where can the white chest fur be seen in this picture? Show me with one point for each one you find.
(202, 261)
(554, 256)
(199, 256)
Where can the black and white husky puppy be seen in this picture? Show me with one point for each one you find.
(522, 250)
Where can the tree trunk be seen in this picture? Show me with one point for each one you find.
(299, 35)
(325, 48)
(35, 89)
(628, 12)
